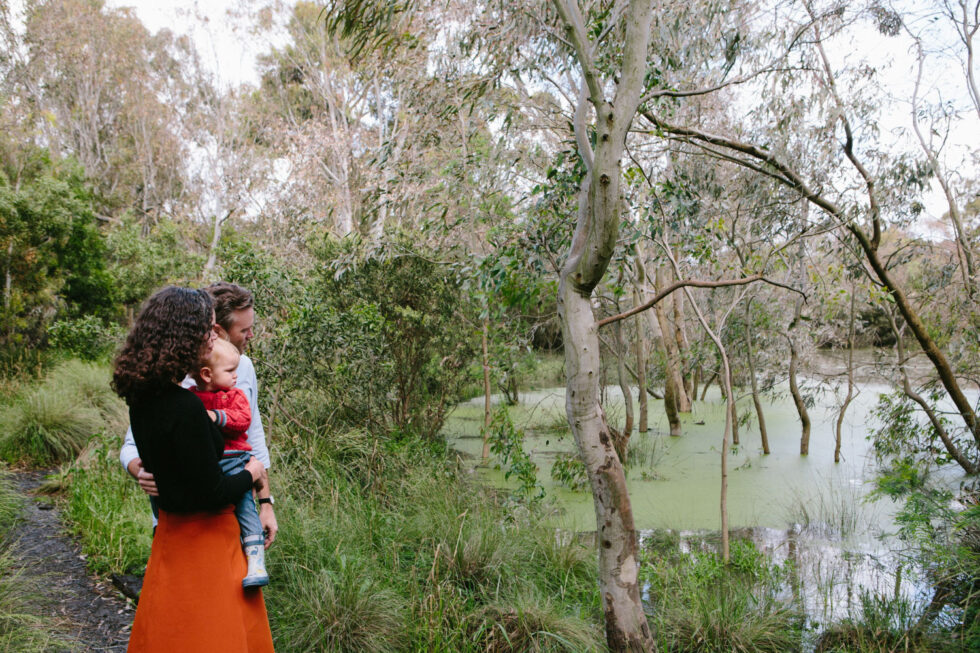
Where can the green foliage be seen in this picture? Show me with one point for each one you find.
(382, 335)
(507, 442)
(701, 604)
(54, 253)
(86, 337)
(569, 471)
(139, 262)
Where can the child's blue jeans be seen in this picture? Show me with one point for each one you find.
(248, 517)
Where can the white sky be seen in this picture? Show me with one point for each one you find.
(223, 40)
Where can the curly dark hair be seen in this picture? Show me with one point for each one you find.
(168, 340)
(229, 298)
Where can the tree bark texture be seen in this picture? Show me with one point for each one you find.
(593, 243)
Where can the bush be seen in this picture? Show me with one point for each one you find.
(86, 337)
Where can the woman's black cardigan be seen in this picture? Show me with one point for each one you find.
(180, 445)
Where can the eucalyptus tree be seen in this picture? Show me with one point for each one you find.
(816, 134)
(101, 88)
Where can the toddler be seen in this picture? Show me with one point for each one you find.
(228, 407)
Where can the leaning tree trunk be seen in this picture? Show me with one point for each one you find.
(600, 209)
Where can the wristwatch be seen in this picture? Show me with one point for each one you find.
(268, 500)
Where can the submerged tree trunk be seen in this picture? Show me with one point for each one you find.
(850, 381)
(673, 356)
(794, 389)
(763, 433)
(640, 352)
(622, 438)
(725, 378)
(485, 337)
(683, 349)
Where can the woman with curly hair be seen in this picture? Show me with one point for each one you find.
(192, 599)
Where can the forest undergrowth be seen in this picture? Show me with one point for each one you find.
(387, 543)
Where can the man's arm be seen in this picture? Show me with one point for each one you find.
(129, 456)
(248, 383)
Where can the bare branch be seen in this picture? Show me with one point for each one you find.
(697, 283)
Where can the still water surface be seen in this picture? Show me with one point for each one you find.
(805, 508)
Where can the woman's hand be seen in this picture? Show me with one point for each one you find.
(255, 467)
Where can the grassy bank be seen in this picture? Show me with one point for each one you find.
(387, 544)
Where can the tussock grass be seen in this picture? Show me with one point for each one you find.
(701, 605)
(389, 549)
(883, 625)
(46, 426)
(832, 510)
(529, 622)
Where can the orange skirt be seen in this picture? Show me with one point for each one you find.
(192, 599)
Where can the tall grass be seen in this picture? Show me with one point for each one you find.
(391, 550)
(883, 625)
(701, 605)
(106, 510)
(51, 421)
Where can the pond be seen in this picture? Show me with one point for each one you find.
(802, 507)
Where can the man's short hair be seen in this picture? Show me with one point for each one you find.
(229, 298)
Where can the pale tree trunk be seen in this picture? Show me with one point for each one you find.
(596, 231)
(683, 349)
(730, 416)
(730, 388)
(486, 387)
(213, 249)
(794, 388)
(749, 357)
(622, 439)
(850, 380)
(640, 349)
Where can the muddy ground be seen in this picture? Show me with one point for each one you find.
(87, 614)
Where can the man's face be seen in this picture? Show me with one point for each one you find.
(240, 331)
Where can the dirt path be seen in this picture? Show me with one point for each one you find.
(91, 615)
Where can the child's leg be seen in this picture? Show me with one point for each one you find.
(253, 537)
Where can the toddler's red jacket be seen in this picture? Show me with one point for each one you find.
(234, 415)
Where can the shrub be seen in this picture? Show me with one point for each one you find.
(86, 337)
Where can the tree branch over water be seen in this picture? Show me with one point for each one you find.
(696, 283)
